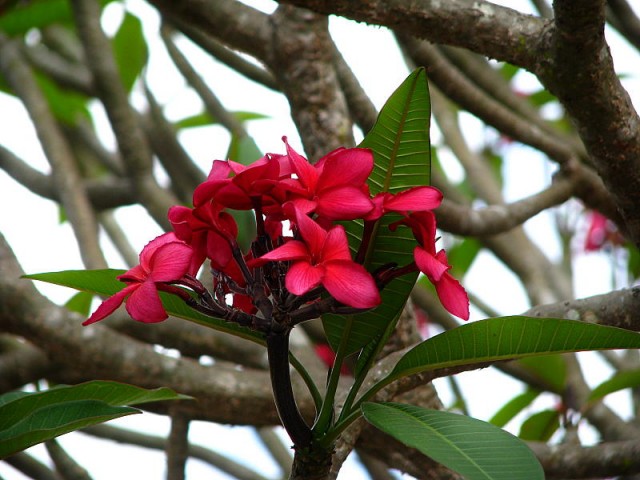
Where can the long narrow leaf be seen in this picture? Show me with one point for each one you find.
(513, 337)
(473, 448)
(400, 144)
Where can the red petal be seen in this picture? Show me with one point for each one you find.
(345, 166)
(170, 262)
(429, 264)
(146, 255)
(336, 246)
(144, 304)
(220, 169)
(312, 233)
(415, 199)
(110, 305)
(349, 283)
(302, 277)
(292, 250)
(218, 250)
(453, 296)
(343, 203)
(307, 173)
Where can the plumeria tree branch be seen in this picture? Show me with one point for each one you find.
(131, 142)
(65, 176)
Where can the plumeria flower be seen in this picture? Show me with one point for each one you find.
(165, 259)
(335, 188)
(323, 258)
(434, 264)
(601, 231)
(208, 229)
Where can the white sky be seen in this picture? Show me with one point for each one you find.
(42, 244)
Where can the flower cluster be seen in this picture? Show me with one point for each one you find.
(293, 273)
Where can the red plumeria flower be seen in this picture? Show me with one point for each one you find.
(208, 229)
(249, 182)
(323, 258)
(435, 265)
(416, 199)
(163, 260)
(335, 188)
(328, 357)
(601, 231)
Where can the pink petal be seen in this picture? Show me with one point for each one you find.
(349, 283)
(206, 191)
(429, 264)
(179, 217)
(378, 207)
(336, 246)
(218, 250)
(170, 262)
(345, 166)
(307, 174)
(292, 250)
(312, 233)
(423, 226)
(343, 203)
(220, 169)
(150, 248)
(108, 306)
(302, 277)
(414, 199)
(302, 205)
(144, 304)
(137, 274)
(453, 296)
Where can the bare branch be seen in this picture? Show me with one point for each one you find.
(498, 32)
(131, 141)
(609, 459)
(580, 72)
(65, 174)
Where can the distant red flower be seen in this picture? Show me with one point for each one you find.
(165, 259)
(601, 231)
(335, 188)
(435, 265)
(324, 258)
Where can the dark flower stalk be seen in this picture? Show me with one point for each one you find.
(292, 421)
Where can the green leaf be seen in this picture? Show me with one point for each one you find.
(540, 426)
(130, 50)
(36, 14)
(619, 381)
(549, 370)
(204, 119)
(65, 105)
(400, 144)
(80, 303)
(513, 407)
(513, 337)
(104, 282)
(30, 418)
(475, 449)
